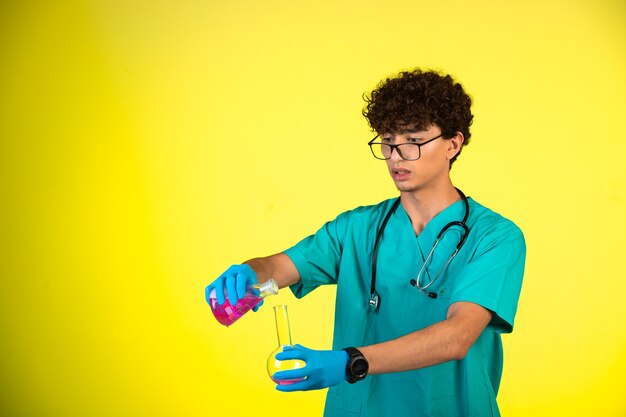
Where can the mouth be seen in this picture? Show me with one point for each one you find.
(400, 171)
(400, 174)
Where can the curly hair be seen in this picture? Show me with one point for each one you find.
(420, 99)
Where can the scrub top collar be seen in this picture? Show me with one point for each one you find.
(454, 211)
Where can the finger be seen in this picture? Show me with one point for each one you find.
(298, 373)
(207, 293)
(240, 284)
(218, 286)
(250, 274)
(256, 307)
(251, 278)
(232, 270)
(231, 292)
(296, 386)
(290, 354)
(286, 348)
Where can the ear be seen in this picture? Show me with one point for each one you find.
(454, 145)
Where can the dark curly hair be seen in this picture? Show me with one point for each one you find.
(419, 99)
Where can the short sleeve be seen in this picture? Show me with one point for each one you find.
(317, 258)
(493, 278)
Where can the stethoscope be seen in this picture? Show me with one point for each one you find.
(374, 297)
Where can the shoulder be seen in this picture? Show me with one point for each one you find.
(492, 226)
(368, 212)
(361, 219)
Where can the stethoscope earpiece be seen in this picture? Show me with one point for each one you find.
(430, 294)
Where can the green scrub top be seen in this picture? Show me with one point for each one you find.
(487, 271)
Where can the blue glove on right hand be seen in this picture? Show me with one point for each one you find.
(235, 279)
(323, 368)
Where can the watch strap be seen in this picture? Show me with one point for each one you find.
(355, 358)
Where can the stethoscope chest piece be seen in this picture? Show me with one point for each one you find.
(374, 300)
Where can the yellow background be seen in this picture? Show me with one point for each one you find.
(148, 145)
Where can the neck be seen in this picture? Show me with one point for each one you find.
(422, 205)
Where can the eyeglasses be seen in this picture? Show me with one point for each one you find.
(407, 151)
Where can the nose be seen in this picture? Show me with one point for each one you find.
(395, 153)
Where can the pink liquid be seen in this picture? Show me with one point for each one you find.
(287, 381)
(228, 314)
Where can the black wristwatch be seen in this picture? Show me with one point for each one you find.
(357, 366)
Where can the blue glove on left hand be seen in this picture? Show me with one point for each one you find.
(324, 368)
(234, 282)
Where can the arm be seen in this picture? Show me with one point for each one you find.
(492, 280)
(441, 342)
(278, 266)
(234, 280)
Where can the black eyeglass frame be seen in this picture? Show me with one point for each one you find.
(397, 148)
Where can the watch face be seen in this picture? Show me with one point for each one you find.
(359, 367)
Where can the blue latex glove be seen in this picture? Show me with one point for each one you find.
(324, 368)
(235, 279)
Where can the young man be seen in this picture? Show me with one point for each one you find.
(426, 283)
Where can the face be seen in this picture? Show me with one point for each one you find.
(433, 166)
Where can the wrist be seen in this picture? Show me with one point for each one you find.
(357, 366)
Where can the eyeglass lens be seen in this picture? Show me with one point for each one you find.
(405, 150)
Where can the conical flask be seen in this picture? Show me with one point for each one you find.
(228, 314)
(284, 339)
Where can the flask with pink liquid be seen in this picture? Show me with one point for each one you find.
(227, 314)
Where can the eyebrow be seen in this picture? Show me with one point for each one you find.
(402, 132)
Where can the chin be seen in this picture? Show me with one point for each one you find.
(407, 188)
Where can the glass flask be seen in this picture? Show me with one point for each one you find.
(284, 339)
(228, 314)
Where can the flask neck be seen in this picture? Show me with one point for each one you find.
(282, 325)
(269, 287)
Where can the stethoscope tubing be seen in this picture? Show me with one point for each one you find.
(374, 297)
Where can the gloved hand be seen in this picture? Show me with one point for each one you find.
(324, 368)
(234, 279)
